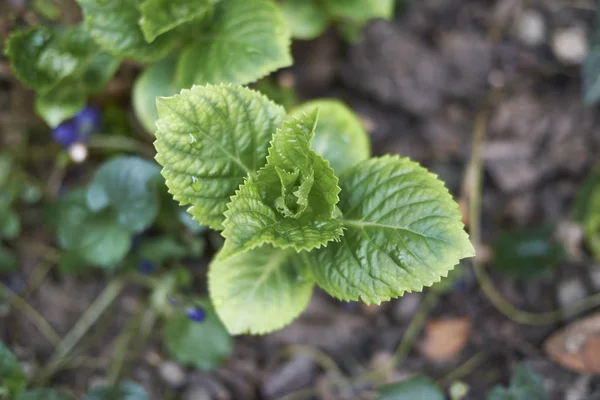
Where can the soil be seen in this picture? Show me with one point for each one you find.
(418, 82)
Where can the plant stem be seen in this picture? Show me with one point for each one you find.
(89, 318)
(462, 370)
(121, 143)
(35, 317)
(122, 346)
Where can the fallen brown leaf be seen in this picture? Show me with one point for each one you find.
(577, 347)
(445, 338)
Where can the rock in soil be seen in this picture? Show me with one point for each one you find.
(295, 374)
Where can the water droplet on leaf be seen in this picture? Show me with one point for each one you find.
(196, 184)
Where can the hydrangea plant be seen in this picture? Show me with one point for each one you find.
(372, 229)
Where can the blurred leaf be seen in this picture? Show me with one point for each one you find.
(339, 136)
(10, 223)
(417, 388)
(47, 9)
(12, 377)
(525, 384)
(161, 249)
(586, 211)
(41, 57)
(155, 81)
(590, 69)
(306, 19)
(360, 10)
(203, 345)
(96, 238)
(8, 261)
(527, 252)
(43, 394)
(60, 103)
(126, 185)
(246, 40)
(124, 391)
(114, 26)
(284, 96)
(188, 221)
(160, 16)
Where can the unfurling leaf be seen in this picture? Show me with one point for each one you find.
(291, 201)
(402, 232)
(339, 137)
(209, 138)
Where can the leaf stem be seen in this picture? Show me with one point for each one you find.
(81, 327)
(35, 317)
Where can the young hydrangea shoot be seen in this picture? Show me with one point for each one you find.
(373, 229)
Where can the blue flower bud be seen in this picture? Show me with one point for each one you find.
(147, 266)
(196, 314)
(66, 134)
(87, 122)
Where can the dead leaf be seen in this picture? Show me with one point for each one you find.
(577, 347)
(445, 338)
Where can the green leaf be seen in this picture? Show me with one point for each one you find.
(42, 394)
(339, 137)
(41, 57)
(12, 377)
(307, 19)
(209, 138)
(525, 384)
(155, 81)
(8, 261)
(114, 26)
(124, 391)
(403, 231)
(590, 69)
(60, 103)
(96, 238)
(161, 249)
(10, 223)
(127, 185)
(160, 16)
(246, 40)
(259, 291)
(586, 211)
(360, 10)
(527, 252)
(417, 388)
(203, 345)
(64, 66)
(291, 201)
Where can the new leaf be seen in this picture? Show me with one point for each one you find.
(291, 201)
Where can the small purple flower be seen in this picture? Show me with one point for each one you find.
(66, 134)
(79, 128)
(196, 314)
(87, 122)
(147, 267)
